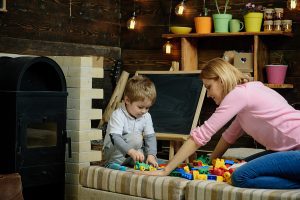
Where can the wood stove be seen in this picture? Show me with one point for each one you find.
(33, 124)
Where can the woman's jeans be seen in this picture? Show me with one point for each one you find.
(279, 170)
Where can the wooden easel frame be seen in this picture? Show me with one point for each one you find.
(173, 138)
(115, 99)
(3, 6)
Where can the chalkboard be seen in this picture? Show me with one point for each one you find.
(179, 100)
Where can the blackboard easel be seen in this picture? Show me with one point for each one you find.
(180, 96)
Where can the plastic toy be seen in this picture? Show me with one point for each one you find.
(144, 167)
(220, 170)
(117, 167)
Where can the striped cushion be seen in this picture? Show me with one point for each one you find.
(211, 190)
(153, 187)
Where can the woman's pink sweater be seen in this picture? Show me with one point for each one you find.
(260, 112)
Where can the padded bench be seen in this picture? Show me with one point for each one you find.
(103, 183)
(128, 183)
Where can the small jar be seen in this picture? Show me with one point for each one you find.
(277, 25)
(286, 25)
(268, 14)
(278, 13)
(268, 25)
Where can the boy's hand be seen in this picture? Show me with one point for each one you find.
(152, 161)
(136, 155)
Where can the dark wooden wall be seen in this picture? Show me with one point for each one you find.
(93, 27)
(53, 27)
(142, 48)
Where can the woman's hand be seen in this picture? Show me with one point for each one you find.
(152, 173)
(188, 148)
(152, 161)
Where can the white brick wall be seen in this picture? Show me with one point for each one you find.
(79, 72)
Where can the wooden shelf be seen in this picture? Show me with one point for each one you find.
(197, 35)
(279, 86)
(189, 50)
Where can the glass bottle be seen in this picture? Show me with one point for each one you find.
(268, 13)
(268, 25)
(277, 25)
(278, 13)
(286, 25)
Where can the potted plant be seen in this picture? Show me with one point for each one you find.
(253, 18)
(221, 20)
(203, 23)
(276, 71)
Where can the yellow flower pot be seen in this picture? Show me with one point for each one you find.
(253, 21)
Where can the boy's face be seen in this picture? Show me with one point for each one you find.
(137, 108)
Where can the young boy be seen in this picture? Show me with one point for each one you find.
(130, 135)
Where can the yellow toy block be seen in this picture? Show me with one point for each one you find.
(202, 177)
(220, 178)
(186, 169)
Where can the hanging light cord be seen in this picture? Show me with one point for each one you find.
(70, 9)
(170, 11)
(134, 8)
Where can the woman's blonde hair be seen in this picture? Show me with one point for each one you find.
(229, 75)
(139, 87)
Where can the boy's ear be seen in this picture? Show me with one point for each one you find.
(126, 100)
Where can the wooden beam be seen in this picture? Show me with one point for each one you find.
(46, 48)
(189, 55)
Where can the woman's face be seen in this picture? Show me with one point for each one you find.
(214, 89)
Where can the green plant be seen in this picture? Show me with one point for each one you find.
(205, 10)
(225, 7)
(251, 7)
(278, 57)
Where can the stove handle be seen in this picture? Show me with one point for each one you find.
(68, 141)
(70, 147)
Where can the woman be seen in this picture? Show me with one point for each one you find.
(260, 112)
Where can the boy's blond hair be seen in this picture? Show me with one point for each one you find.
(140, 87)
(229, 75)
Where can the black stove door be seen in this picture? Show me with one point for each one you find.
(41, 154)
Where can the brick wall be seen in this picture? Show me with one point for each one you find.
(79, 72)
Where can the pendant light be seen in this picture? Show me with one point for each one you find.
(292, 4)
(167, 48)
(131, 23)
(179, 9)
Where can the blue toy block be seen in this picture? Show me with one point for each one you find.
(212, 177)
(229, 162)
(187, 176)
(180, 170)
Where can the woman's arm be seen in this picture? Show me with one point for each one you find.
(187, 149)
(220, 149)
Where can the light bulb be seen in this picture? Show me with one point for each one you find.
(131, 23)
(167, 47)
(179, 9)
(292, 4)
